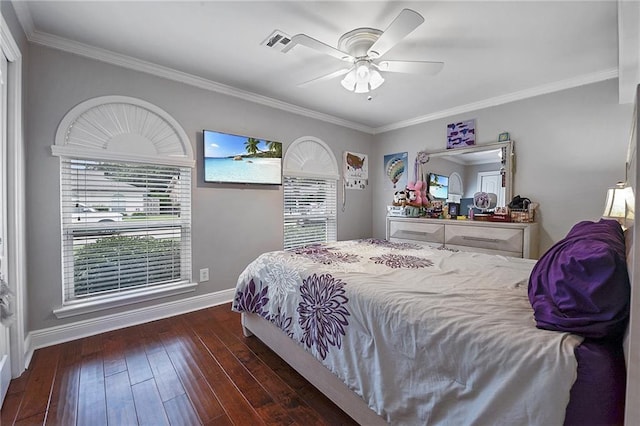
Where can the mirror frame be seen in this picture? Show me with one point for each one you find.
(509, 165)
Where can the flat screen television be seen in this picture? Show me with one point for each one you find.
(241, 159)
(438, 186)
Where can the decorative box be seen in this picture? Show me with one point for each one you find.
(403, 211)
(522, 215)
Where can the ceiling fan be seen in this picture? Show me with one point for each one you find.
(363, 48)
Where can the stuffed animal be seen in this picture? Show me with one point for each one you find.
(400, 198)
(412, 194)
(417, 194)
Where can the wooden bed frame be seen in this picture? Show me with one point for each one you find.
(323, 379)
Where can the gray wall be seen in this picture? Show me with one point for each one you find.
(570, 147)
(15, 28)
(231, 224)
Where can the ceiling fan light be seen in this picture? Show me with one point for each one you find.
(376, 80)
(362, 87)
(349, 81)
(363, 73)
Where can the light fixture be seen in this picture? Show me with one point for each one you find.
(362, 78)
(619, 204)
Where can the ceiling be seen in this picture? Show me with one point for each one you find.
(494, 51)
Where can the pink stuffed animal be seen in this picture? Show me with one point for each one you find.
(417, 194)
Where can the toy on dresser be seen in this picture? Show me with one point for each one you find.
(403, 205)
(400, 198)
(416, 194)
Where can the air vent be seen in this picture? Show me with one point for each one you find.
(277, 40)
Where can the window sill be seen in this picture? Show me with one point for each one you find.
(95, 305)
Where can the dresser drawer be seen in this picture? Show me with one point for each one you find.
(499, 239)
(418, 232)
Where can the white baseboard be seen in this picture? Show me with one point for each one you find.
(64, 333)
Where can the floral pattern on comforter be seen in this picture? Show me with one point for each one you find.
(321, 309)
(424, 336)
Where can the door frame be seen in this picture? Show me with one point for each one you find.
(16, 192)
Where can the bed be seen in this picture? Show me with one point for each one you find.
(407, 334)
(370, 311)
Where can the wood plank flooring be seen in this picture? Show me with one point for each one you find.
(191, 369)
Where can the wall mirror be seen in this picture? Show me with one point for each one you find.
(455, 175)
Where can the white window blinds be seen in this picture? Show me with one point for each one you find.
(310, 211)
(126, 226)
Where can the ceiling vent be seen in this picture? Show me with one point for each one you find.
(277, 40)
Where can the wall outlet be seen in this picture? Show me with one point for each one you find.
(204, 275)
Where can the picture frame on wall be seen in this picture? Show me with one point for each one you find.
(356, 170)
(461, 135)
(396, 170)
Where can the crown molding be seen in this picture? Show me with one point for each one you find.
(544, 89)
(125, 61)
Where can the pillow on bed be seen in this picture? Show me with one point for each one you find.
(581, 284)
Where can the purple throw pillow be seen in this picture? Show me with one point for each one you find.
(581, 284)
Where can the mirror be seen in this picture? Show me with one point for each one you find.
(456, 175)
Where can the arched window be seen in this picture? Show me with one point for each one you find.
(310, 173)
(125, 168)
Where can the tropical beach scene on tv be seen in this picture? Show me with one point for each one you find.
(241, 159)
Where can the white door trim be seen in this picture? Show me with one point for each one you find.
(16, 237)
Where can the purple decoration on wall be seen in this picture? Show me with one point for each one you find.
(462, 134)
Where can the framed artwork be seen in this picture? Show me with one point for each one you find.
(462, 134)
(396, 167)
(503, 137)
(454, 210)
(356, 170)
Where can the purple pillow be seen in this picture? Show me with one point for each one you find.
(581, 284)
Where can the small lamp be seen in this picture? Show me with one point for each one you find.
(619, 204)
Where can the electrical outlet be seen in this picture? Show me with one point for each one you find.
(204, 274)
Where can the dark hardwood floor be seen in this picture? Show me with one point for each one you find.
(195, 368)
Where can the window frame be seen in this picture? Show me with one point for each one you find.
(306, 213)
(163, 142)
(309, 158)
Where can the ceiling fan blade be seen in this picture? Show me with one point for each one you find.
(407, 21)
(305, 40)
(326, 77)
(411, 67)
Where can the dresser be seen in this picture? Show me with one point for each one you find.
(505, 238)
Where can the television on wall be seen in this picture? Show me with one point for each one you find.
(438, 186)
(232, 158)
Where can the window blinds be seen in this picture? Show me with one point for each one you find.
(310, 211)
(125, 226)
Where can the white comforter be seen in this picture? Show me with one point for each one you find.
(425, 336)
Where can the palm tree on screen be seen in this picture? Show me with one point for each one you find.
(252, 145)
(275, 147)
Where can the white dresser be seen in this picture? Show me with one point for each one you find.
(505, 238)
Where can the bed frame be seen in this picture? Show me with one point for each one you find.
(322, 378)
(311, 369)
